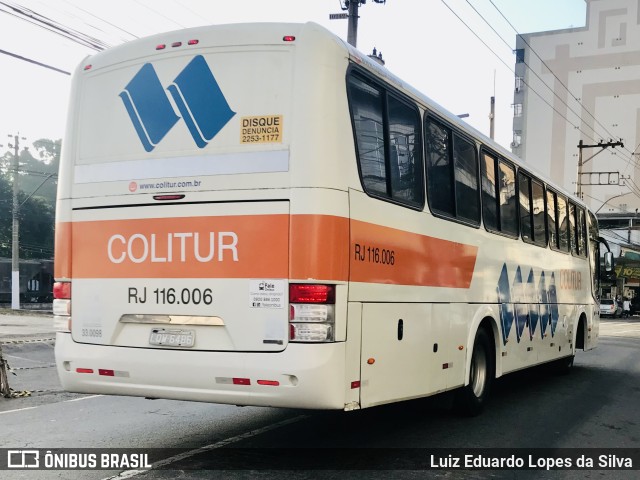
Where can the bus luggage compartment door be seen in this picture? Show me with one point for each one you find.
(397, 362)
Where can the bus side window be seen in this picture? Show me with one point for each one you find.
(367, 110)
(582, 232)
(573, 229)
(499, 207)
(538, 209)
(551, 220)
(389, 146)
(508, 199)
(452, 174)
(405, 161)
(466, 180)
(489, 192)
(439, 171)
(526, 228)
(563, 222)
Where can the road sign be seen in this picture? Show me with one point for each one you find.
(338, 16)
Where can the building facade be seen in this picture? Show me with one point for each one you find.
(583, 85)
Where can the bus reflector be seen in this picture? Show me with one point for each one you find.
(106, 373)
(288, 38)
(273, 383)
(84, 370)
(162, 46)
(176, 44)
(87, 67)
(355, 384)
(241, 381)
(193, 42)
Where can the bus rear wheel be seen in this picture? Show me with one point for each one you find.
(471, 399)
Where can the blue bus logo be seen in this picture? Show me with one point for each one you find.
(196, 93)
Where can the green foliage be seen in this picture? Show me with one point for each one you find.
(5, 217)
(37, 182)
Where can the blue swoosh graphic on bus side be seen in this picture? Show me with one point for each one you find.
(553, 303)
(527, 305)
(517, 294)
(534, 305)
(506, 308)
(148, 107)
(544, 305)
(200, 101)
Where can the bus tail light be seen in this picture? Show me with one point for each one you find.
(62, 306)
(311, 312)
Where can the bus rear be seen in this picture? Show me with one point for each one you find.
(200, 254)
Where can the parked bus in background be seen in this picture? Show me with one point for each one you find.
(261, 215)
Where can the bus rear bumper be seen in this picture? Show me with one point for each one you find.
(302, 376)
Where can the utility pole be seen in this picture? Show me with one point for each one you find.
(352, 6)
(15, 245)
(492, 117)
(352, 32)
(581, 146)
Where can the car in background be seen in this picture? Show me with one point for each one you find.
(610, 307)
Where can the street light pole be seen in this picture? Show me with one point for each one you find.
(15, 235)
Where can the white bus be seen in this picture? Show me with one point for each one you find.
(262, 215)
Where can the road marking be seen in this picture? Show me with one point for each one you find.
(17, 410)
(82, 398)
(222, 443)
(617, 333)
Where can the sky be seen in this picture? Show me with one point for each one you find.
(422, 41)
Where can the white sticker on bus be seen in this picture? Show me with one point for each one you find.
(266, 293)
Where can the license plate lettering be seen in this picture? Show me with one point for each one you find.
(172, 338)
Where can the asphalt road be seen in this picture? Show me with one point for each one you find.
(594, 407)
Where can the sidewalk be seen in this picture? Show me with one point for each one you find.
(25, 325)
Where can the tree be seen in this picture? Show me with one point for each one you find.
(37, 196)
(34, 171)
(5, 216)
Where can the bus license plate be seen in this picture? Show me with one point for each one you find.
(172, 338)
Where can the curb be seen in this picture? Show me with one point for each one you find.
(31, 340)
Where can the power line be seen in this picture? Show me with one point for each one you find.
(628, 159)
(512, 71)
(33, 17)
(35, 62)
(101, 19)
(532, 70)
(159, 14)
(551, 71)
(609, 134)
(186, 7)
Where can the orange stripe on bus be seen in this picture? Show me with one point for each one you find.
(62, 251)
(387, 255)
(322, 247)
(239, 246)
(319, 247)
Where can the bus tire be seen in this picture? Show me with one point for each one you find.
(471, 399)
